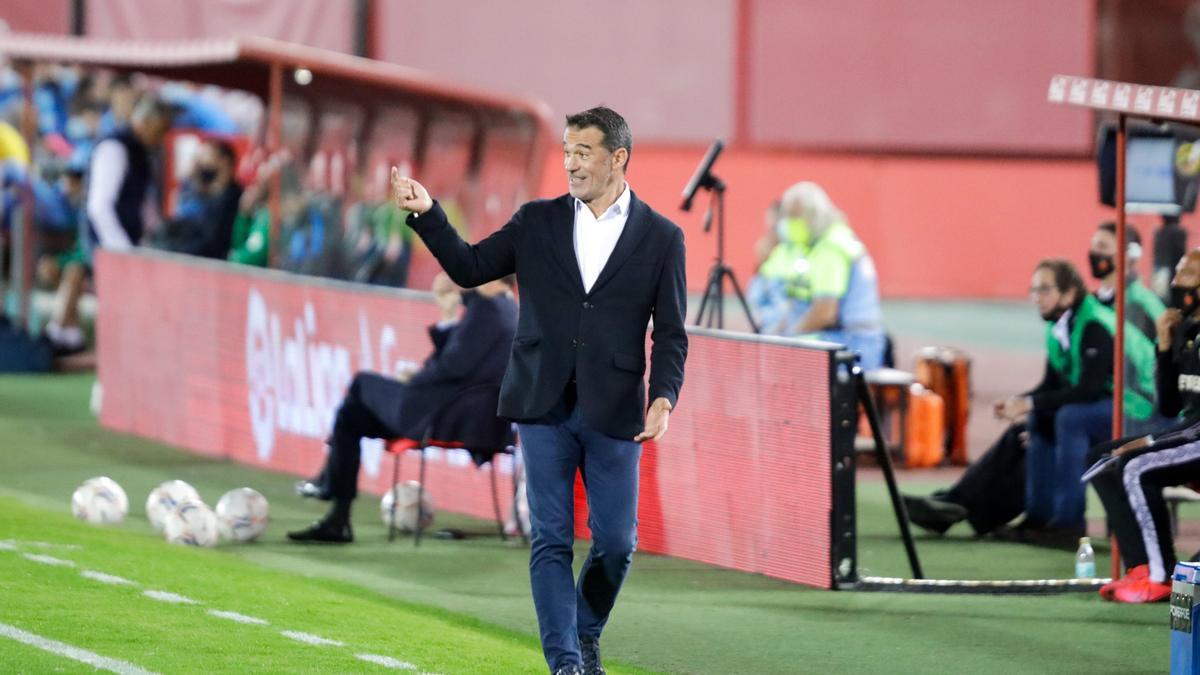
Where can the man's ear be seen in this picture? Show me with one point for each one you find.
(621, 158)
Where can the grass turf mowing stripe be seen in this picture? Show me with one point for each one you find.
(60, 603)
(71, 652)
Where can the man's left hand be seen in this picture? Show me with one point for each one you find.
(656, 421)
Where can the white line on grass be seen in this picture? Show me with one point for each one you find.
(164, 596)
(386, 661)
(62, 649)
(7, 546)
(107, 578)
(309, 638)
(240, 618)
(48, 560)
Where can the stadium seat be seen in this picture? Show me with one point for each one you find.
(471, 418)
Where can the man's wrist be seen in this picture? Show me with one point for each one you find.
(662, 403)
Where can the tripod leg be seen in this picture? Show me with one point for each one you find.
(885, 462)
(704, 301)
(737, 289)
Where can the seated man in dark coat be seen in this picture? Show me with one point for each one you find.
(469, 352)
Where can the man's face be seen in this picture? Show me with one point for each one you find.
(209, 169)
(591, 169)
(1046, 296)
(1187, 272)
(1103, 243)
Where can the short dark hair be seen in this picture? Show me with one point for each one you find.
(224, 150)
(1066, 276)
(1131, 234)
(610, 123)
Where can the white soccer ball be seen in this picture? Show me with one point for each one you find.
(192, 523)
(404, 496)
(242, 514)
(164, 498)
(100, 501)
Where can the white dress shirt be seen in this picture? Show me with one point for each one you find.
(595, 238)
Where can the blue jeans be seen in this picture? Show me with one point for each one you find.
(1054, 496)
(567, 611)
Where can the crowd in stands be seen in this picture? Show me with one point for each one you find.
(202, 185)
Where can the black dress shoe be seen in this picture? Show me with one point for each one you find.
(589, 648)
(931, 514)
(311, 490)
(326, 532)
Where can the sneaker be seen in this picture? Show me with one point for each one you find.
(1132, 575)
(1142, 591)
(933, 515)
(589, 648)
(570, 669)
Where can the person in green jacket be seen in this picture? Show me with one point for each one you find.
(1071, 409)
(1142, 306)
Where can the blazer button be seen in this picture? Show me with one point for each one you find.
(574, 342)
(588, 305)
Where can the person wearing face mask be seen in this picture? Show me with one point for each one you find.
(1142, 306)
(1131, 485)
(466, 352)
(835, 279)
(778, 293)
(202, 223)
(1051, 427)
(1071, 409)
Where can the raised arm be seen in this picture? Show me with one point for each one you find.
(469, 265)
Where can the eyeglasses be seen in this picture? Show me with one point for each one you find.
(1040, 291)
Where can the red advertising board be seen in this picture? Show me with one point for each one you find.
(250, 365)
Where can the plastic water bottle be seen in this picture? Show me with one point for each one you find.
(1085, 560)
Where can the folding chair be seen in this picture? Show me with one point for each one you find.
(470, 418)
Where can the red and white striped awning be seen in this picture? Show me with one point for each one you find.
(1142, 100)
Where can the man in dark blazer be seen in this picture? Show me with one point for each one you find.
(594, 267)
(466, 353)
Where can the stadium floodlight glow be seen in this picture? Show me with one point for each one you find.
(703, 176)
(302, 76)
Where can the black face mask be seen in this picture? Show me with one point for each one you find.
(1102, 265)
(206, 175)
(1185, 300)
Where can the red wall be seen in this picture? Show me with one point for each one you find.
(319, 23)
(37, 16)
(667, 65)
(929, 75)
(937, 227)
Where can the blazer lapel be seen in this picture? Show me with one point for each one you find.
(563, 236)
(635, 228)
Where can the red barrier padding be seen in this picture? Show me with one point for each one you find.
(250, 364)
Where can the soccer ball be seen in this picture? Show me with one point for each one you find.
(164, 498)
(192, 523)
(404, 496)
(100, 501)
(242, 514)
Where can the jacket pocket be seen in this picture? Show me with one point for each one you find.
(630, 362)
(526, 341)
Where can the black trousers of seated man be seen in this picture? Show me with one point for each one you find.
(992, 490)
(1134, 503)
(371, 409)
